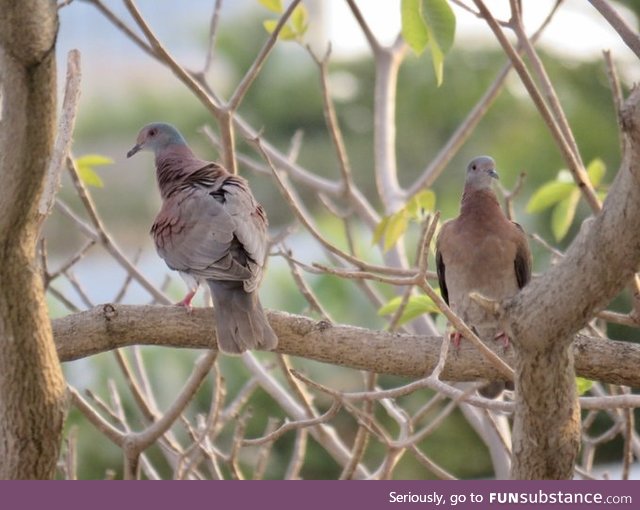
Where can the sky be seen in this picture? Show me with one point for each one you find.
(577, 32)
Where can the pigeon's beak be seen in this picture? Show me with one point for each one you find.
(492, 172)
(134, 149)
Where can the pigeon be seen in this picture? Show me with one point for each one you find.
(481, 251)
(211, 230)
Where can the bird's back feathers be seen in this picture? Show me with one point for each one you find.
(210, 228)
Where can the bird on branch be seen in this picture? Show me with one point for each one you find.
(211, 230)
(481, 252)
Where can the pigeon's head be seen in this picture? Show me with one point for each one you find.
(156, 137)
(480, 173)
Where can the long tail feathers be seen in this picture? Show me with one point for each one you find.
(241, 323)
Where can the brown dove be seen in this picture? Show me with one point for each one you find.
(211, 230)
(481, 251)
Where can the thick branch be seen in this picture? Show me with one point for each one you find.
(109, 327)
(387, 67)
(545, 315)
(599, 262)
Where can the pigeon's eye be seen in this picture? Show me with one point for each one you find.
(474, 167)
(153, 132)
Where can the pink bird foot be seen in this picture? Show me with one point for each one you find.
(503, 338)
(186, 302)
(456, 338)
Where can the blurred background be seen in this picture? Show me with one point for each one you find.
(123, 89)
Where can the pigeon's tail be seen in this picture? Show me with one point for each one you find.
(240, 320)
(494, 389)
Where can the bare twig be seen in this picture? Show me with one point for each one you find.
(116, 253)
(547, 88)
(468, 125)
(259, 61)
(616, 93)
(64, 138)
(332, 122)
(366, 30)
(578, 171)
(294, 425)
(628, 35)
(213, 32)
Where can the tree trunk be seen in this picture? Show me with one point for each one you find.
(545, 316)
(32, 387)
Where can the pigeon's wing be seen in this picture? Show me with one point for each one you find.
(440, 267)
(213, 229)
(523, 261)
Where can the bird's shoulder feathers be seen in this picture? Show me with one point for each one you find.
(211, 226)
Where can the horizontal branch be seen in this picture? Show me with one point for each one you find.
(110, 326)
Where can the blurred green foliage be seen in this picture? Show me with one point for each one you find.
(563, 195)
(296, 25)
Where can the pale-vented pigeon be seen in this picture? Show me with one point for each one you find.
(481, 251)
(211, 229)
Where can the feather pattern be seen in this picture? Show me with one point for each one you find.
(211, 229)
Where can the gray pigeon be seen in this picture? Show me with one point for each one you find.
(211, 229)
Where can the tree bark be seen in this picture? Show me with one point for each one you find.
(111, 326)
(545, 316)
(32, 387)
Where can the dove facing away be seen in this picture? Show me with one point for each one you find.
(211, 230)
(481, 251)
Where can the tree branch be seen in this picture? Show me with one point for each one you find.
(599, 262)
(628, 35)
(578, 171)
(32, 389)
(62, 147)
(108, 327)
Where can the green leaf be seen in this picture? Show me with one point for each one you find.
(441, 22)
(420, 202)
(438, 62)
(416, 306)
(563, 215)
(93, 160)
(85, 165)
(395, 229)
(596, 170)
(90, 177)
(390, 307)
(548, 194)
(414, 28)
(286, 34)
(300, 19)
(427, 199)
(412, 208)
(429, 22)
(583, 385)
(379, 231)
(441, 26)
(272, 5)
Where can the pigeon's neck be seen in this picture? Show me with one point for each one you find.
(172, 152)
(477, 202)
(173, 164)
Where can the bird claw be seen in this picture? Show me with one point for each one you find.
(186, 302)
(503, 338)
(455, 338)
